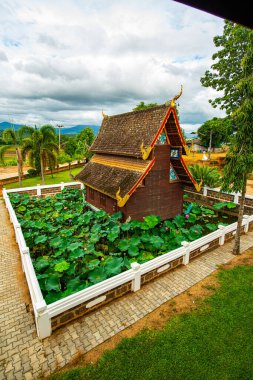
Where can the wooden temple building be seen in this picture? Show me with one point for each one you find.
(137, 167)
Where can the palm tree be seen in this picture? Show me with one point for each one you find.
(205, 174)
(42, 147)
(13, 137)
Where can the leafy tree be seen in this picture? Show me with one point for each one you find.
(64, 157)
(219, 129)
(70, 146)
(239, 160)
(41, 144)
(82, 151)
(234, 76)
(2, 142)
(143, 106)
(206, 175)
(84, 141)
(87, 135)
(227, 70)
(10, 136)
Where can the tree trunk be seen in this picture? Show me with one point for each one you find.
(70, 168)
(20, 166)
(42, 169)
(236, 249)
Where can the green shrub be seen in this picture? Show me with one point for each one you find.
(12, 162)
(32, 172)
(209, 176)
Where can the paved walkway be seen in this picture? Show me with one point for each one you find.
(24, 356)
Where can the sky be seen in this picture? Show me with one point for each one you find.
(64, 61)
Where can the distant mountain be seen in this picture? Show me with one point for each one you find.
(5, 124)
(78, 128)
(65, 130)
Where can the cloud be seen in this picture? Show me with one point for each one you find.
(67, 63)
(3, 56)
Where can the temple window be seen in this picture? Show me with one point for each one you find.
(162, 140)
(173, 174)
(175, 153)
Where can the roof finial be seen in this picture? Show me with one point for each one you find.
(145, 152)
(172, 103)
(199, 185)
(103, 114)
(121, 201)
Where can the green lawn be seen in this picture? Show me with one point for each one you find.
(49, 180)
(214, 342)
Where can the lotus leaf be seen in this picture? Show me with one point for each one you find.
(211, 226)
(73, 246)
(114, 233)
(41, 263)
(125, 226)
(77, 253)
(53, 282)
(151, 221)
(97, 275)
(156, 241)
(133, 250)
(61, 266)
(41, 239)
(93, 264)
(123, 245)
(113, 265)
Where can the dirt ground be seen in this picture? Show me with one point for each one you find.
(157, 319)
(11, 171)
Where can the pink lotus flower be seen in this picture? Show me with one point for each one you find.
(187, 216)
(166, 228)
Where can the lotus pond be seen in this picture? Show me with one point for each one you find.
(73, 247)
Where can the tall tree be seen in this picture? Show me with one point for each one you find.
(84, 141)
(143, 106)
(43, 144)
(234, 75)
(218, 130)
(86, 135)
(227, 71)
(10, 136)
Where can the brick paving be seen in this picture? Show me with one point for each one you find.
(24, 356)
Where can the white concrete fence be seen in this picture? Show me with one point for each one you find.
(44, 313)
(235, 197)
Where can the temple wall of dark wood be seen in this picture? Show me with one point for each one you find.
(101, 200)
(157, 195)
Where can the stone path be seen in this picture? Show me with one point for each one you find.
(24, 356)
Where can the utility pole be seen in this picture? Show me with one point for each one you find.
(59, 126)
(210, 144)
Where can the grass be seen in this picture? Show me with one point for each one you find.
(213, 342)
(57, 178)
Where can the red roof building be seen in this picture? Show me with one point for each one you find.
(137, 167)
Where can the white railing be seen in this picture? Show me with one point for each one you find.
(235, 196)
(38, 188)
(44, 312)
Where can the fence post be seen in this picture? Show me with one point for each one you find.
(38, 190)
(205, 191)
(16, 229)
(43, 321)
(246, 221)
(222, 235)
(136, 283)
(62, 185)
(236, 198)
(186, 257)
